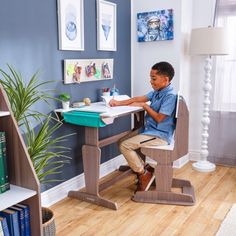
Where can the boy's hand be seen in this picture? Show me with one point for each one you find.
(113, 103)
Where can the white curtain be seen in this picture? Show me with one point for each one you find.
(224, 90)
(222, 129)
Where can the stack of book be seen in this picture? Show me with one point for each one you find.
(15, 221)
(4, 181)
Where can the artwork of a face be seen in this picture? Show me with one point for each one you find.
(90, 69)
(77, 73)
(154, 26)
(106, 71)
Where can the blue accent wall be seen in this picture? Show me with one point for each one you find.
(29, 42)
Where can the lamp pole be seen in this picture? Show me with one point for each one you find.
(204, 165)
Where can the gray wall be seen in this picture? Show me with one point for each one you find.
(29, 42)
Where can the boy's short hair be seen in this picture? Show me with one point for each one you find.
(164, 68)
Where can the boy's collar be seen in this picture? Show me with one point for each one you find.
(164, 89)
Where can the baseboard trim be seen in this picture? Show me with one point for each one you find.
(60, 191)
(194, 155)
(181, 162)
(176, 164)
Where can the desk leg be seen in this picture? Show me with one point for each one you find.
(91, 161)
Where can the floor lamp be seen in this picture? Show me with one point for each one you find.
(209, 41)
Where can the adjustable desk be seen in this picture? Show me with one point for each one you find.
(91, 151)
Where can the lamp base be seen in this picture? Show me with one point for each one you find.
(204, 166)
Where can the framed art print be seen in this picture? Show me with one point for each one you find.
(71, 24)
(155, 25)
(106, 25)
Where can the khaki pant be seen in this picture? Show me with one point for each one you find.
(130, 144)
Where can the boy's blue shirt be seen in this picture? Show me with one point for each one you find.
(163, 101)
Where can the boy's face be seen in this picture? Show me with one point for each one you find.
(158, 81)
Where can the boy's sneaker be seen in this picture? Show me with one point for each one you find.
(144, 180)
(149, 168)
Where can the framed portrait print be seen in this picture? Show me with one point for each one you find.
(71, 24)
(155, 25)
(106, 25)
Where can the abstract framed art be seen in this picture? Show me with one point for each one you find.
(71, 24)
(106, 25)
(155, 25)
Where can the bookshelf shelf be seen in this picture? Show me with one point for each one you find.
(4, 113)
(15, 195)
(24, 184)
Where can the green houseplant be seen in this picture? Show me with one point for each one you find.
(65, 99)
(44, 145)
(22, 96)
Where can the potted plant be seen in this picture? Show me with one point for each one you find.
(65, 99)
(44, 147)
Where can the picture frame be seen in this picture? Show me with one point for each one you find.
(77, 71)
(106, 25)
(71, 24)
(155, 25)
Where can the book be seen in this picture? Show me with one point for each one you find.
(3, 223)
(21, 218)
(1, 229)
(2, 171)
(107, 99)
(26, 217)
(6, 185)
(12, 221)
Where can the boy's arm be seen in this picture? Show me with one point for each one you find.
(140, 99)
(166, 109)
(158, 117)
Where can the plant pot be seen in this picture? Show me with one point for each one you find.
(49, 227)
(66, 105)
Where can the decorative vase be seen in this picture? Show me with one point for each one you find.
(66, 105)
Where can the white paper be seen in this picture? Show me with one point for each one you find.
(107, 99)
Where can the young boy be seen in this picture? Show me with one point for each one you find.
(159, 120)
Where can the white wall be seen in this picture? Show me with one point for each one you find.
(146, 54)
(189, 76)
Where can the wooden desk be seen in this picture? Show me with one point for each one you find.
(91, 152)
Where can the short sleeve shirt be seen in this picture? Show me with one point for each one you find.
(163, 101)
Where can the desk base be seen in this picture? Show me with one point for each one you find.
(96, 199)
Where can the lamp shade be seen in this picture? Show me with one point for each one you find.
(209, 41)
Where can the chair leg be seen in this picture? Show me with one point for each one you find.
(162, 193)
(164, 175)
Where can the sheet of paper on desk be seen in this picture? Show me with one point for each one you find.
(107, 99)
(119, 110)
(94, 107)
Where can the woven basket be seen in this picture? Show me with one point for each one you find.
(49, 227)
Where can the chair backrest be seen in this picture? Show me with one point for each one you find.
(181, 130)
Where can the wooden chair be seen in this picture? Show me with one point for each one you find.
(164, 156)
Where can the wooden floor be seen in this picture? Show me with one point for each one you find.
(215, 194)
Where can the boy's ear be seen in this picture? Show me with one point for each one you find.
(167, 79)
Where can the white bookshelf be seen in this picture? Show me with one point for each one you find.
(15, 195)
